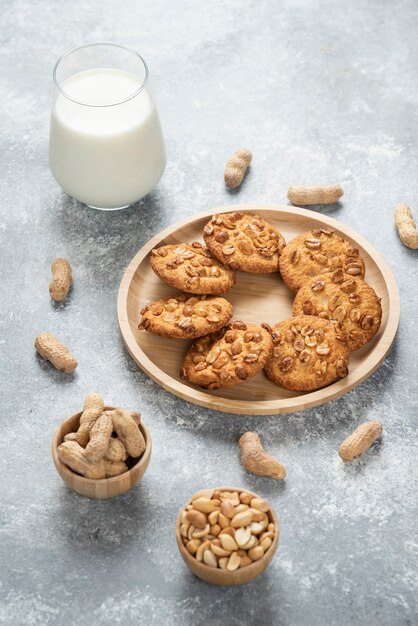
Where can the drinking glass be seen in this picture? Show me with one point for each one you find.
(106, 147)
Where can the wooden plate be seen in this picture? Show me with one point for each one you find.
(256, 298)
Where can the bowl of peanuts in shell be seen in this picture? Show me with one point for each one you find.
(227, 536)
(102, 451)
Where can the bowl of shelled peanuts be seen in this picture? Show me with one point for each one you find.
(227, 536)
(102, 451)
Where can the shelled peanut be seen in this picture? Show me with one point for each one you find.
(106, 442)
(227, 530)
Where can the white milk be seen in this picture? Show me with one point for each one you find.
(108, 156)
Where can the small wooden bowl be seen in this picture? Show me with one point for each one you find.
(216, 576)
(104, 487)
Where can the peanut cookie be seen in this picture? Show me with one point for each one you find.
(307, 354)
(244, 242)
(229, 357)
(316, 252)
(349, 301)
(186, 317)
(191, 268)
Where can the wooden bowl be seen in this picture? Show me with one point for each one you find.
(216, 576)
(104, 487)
(256, 298)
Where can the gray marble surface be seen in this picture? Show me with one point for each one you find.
(319, 91)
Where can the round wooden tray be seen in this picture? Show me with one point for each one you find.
(256, 298)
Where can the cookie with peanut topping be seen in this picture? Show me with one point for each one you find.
(185, 316)
(316, 252)
(231, 356)
(244, 242)
(307, 354)
(348, 300)
(191, 267)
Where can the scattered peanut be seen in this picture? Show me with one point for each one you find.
(246, 535)
(236, 167)
(406, 226)
(95, 450)
(61, 280)
(51, 349)
(327, 194)
(360, 440)
(256, 460)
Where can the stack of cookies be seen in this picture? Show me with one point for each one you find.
(334, 310)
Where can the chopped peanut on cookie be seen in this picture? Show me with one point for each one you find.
(316, 252)
(231, 356)
(244, 242)
(191, 268)
(307, 355)
(185, 316)
(349, 301)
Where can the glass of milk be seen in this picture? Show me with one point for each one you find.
(106, 147)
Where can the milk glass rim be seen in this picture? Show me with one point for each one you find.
(92, 45)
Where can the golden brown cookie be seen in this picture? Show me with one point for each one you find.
(307, 354)
(185, 316)
(244, 242)
(316, 252)
(191, 267)
(351, 302)
(231, 356)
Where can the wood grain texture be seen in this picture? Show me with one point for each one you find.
(216, 576)
(104, 487)
(256, 298)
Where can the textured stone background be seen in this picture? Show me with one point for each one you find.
(319, 91)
